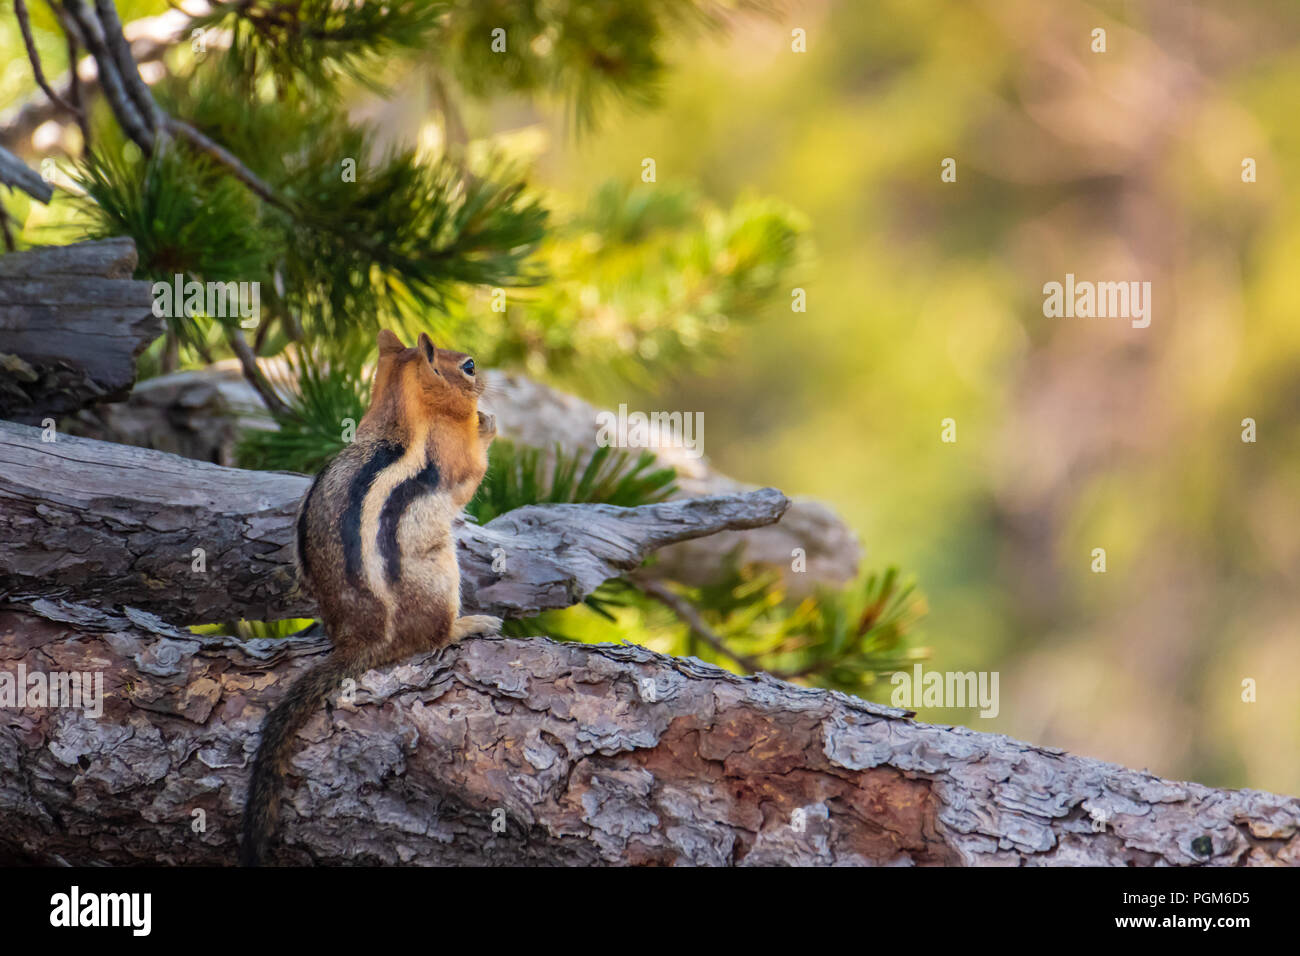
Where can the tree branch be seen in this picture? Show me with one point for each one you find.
(699, 627)
(150, 38)
(14, 172)
(253, 374)
(34, 57)
(104, 523)
(589, 754)
(202, 412)
(111, 80)
(127, 69)
(543, 417)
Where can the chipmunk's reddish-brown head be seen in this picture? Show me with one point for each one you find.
(414, 386)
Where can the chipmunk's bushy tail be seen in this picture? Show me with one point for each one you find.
(305, 697)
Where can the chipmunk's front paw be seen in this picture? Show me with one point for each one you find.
(475, 624)
(487, 425)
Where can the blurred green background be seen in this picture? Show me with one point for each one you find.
(924, 302)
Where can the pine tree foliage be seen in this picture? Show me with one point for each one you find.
(362, 239)
(845, 639)
(279, 183)
(185, 216)
(519, 476)
(316, 43)
(646, 277)
(328, 390)
(589, 54)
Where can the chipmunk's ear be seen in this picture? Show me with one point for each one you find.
(427, 348)
(389, 343)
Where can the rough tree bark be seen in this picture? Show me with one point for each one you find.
(99, 522)
(72, 324)
(580, 754)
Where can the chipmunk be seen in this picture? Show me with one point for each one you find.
(375, 546)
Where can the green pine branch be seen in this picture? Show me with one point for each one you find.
(644, 279)
(313, 44)
(328, 393)
(521, 475)
(847, 639)
(355, 240)
(592, 55)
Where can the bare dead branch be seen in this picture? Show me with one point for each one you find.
(150, 39)
(75, 95)
(127, 68)
(10, 245)
(253, 374)
(544, 417)
(111, 81)
(14, 172)
(34, 57)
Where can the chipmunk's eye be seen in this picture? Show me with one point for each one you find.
(467, 366)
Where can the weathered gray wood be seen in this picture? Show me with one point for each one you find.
(72, 324)
(591, 754)
(104, 258)
(544, 417)
(100, 522)
(198, 414)
(14, 172)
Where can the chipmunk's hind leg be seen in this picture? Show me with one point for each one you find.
(474, 624)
